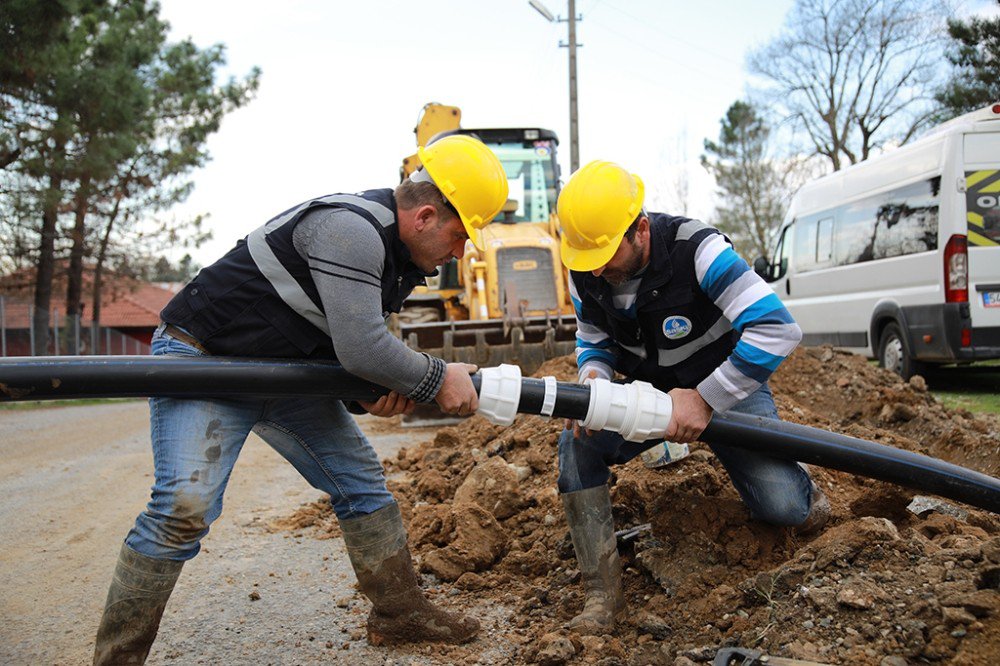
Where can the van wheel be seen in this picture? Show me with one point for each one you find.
(894, 353)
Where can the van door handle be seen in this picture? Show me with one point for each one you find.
(788, 287)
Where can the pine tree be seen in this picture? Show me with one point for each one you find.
(975, 55)
(751, 186)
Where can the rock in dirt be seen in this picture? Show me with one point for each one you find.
(922, 504)
(493, 485)
(554, 649)
(469, 537)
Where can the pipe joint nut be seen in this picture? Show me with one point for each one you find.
(637, 411)
(500, 394)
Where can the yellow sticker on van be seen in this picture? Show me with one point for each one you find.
(982, 199)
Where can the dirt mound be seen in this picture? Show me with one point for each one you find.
(879, 581)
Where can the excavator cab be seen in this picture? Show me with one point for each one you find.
(529, 159)
(509, 303)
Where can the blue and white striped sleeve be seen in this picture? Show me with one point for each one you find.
(595, 350)
(768, 334)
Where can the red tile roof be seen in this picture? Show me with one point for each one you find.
(125, 302)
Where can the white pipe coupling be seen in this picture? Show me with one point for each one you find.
(636, 411)
(549, 401)
(500, 394)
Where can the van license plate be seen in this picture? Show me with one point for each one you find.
(991, 299)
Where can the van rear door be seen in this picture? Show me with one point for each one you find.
(982, 199)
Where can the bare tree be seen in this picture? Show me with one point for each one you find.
(854, 74)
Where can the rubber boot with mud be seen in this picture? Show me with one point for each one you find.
(819, 513)
(138, 594)
(591, 526)
(376, 544)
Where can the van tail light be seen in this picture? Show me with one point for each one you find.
(956, 270)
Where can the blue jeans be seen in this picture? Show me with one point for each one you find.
(776, 491)
(196, 443)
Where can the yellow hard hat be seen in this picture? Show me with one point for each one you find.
(596, 208)
(470, 177)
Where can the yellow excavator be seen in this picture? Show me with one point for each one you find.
(508, 303)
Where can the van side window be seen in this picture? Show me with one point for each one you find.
(804, 253)
(784, 248)
(892, 224)
(907, 221)
(776, 268)
(779, 260)
(813, 242)
(824, 241)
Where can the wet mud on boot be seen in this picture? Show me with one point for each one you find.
(136, 599)
(376, 544)
(591, 527)
(819, 513)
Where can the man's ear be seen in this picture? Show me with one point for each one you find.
(643, 229)
(425, 216)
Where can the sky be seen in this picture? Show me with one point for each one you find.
(343, 83)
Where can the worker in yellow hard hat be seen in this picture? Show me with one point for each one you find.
(316, 281)
(666, 300)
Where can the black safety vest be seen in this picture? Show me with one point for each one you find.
(679, 335)
(260, 299)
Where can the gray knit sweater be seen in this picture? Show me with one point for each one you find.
(353, 307)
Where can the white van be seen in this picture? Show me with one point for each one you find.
(898, 257)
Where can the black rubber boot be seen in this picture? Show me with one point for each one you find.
(591, 526)
(400, 613)
(138, 594)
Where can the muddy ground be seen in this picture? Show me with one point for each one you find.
(880, 585)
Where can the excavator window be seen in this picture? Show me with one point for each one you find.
(532, 180)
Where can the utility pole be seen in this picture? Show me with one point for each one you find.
(574, 122)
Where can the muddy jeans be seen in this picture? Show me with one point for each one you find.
(196, 443)
(776, 491)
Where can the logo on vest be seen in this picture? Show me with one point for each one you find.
(676, 326)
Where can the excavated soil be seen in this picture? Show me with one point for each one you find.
(880, 585)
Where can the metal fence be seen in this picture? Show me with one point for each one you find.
(66, 335)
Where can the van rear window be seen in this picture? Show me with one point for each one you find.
(982, 201)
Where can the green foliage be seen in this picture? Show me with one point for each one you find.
(102, 122)
(160, 269)
(751, 187)
(975, 56)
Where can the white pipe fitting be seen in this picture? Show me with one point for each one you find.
(500, 393)
(636, 411)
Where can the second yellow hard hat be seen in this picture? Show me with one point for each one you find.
(596, 207)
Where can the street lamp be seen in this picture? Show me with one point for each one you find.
(543, 10)
(574, 129)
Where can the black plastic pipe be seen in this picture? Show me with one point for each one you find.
(71, 377)
(808, 445)
(856, 456)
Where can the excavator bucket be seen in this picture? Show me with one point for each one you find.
(527, 343)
